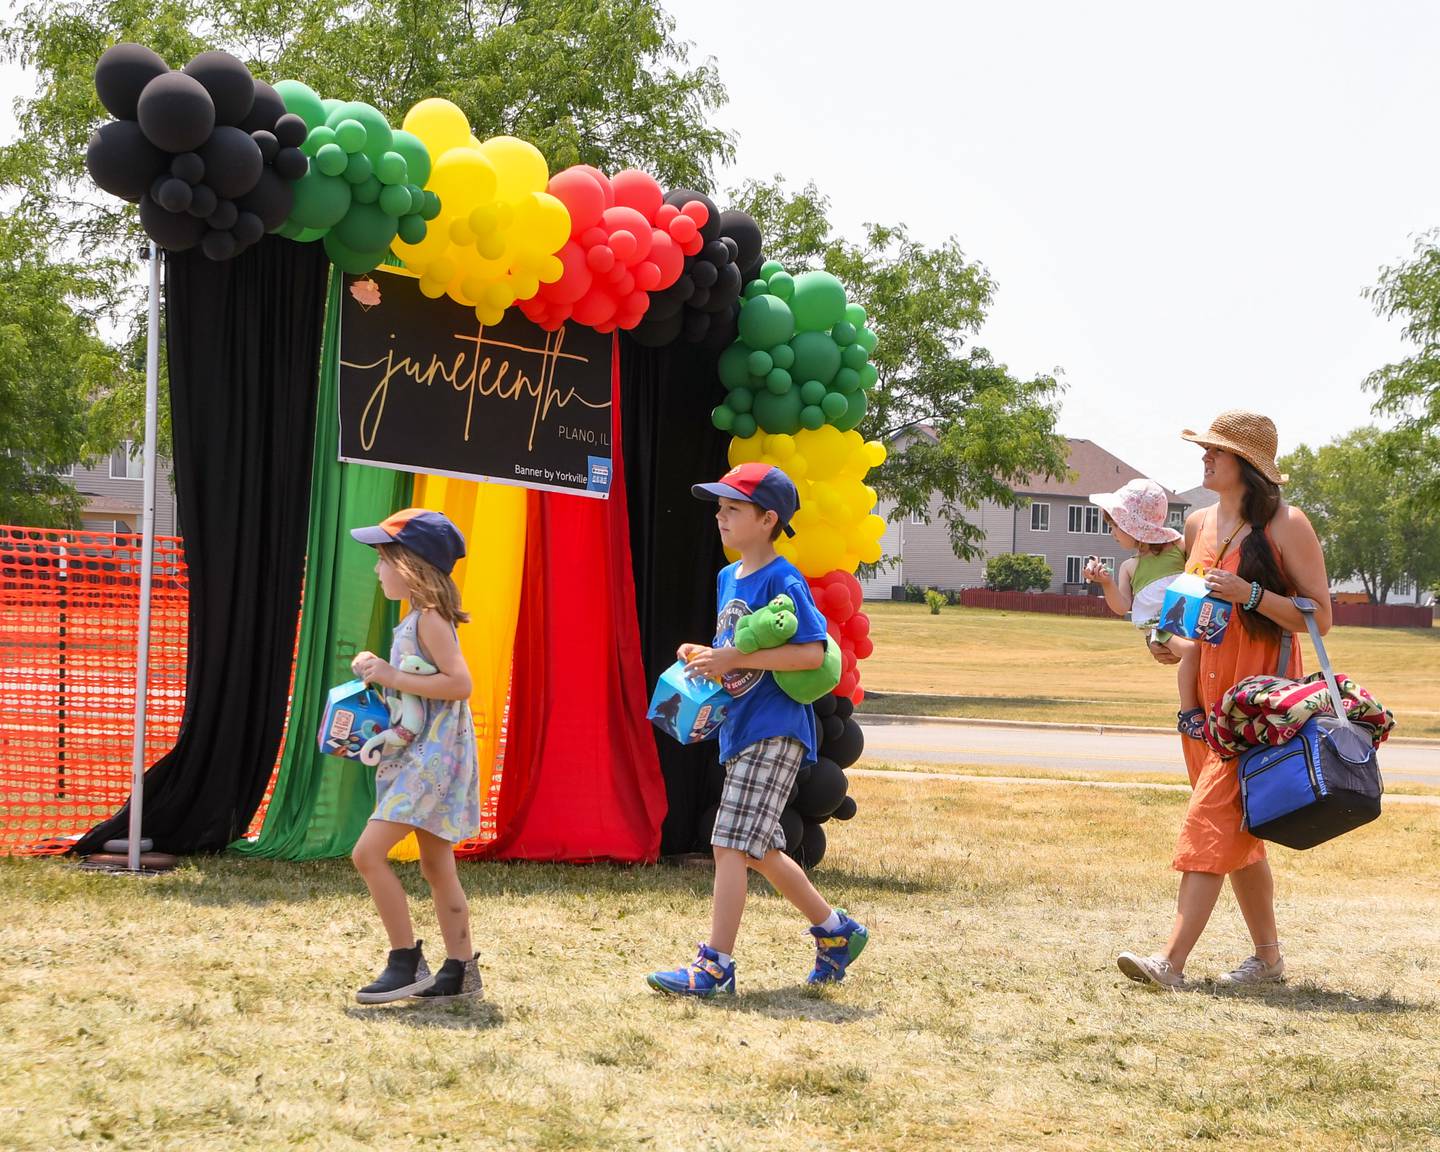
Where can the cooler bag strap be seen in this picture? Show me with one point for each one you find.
(1287, 642)
(1307, 609)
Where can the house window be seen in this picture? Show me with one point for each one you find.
(121, 528)
(917, 518)
(126, 463)
(1074, 569)
(1040, 517)
(1176, 519)
(1094, 524)
(1077, 517)
(1109, 562)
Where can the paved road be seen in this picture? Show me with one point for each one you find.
(910, 741)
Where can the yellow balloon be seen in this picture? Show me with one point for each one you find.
(542, 224)
(439, 124)
(462, 178)
(520, 166)
(746, 451)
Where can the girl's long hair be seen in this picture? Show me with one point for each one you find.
(429, 587)
(1258, 561)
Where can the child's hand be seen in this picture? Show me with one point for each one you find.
(683, 652)
(373, 670)
(1096, 572)
(711, 663)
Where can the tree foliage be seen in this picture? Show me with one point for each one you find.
(1017, 572)
(991, 429)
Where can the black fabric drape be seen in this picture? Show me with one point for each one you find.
(243, 346)
(668, 443)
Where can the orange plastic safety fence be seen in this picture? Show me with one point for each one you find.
(69, 613)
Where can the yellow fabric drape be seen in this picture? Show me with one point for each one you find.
(492, 519)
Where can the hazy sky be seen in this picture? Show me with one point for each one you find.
(1181, 205)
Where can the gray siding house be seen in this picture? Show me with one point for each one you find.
(1059, 525)
(114, 490)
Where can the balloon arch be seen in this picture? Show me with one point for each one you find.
(217, 161)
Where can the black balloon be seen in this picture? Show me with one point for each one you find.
(203, 201)
(832, 727)
(174, 195)
(804, 773)
(703, 274)
(825, 706)
(822, 793)
(188, 167)
(290, 130)
(248, 229)
(169, 230)
(224, 216)
(219, 245)
(741, 227)
(812, 846)
(175, 112)
(694, 326)
(846, 810)
(231, 87)
(266, 142)
(290, 163)
(656, 332)
(121, 74)
(270, 200)
(844, 707)
(232, 162)
(267, 109)
(848, 748)
(122, 161)
(793, 827)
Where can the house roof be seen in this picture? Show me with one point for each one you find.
(1200, 497)
(1092, 470)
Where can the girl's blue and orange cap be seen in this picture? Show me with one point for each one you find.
(430, 535)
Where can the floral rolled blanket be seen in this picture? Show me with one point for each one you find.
(1271, 709)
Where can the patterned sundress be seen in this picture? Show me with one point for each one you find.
(434, 781)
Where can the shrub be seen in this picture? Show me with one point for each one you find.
(1013, 572)
(936, 600)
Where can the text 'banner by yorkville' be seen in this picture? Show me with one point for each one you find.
(425, 387)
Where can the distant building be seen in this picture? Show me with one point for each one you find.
(114, 491)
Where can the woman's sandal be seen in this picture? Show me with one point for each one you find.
(1191, 723)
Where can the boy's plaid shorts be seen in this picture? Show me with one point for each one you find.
(757, 787)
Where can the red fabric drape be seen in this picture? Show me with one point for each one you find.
(581, 777)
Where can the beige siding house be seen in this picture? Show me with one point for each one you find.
(1059, 524)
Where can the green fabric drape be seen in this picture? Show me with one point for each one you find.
(320, 803)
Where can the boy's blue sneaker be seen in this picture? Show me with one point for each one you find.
(704, 977)
(836, 951)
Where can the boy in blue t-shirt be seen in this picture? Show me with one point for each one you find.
(766, 736)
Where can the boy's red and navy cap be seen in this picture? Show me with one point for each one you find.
(763, 485)
(430, 535)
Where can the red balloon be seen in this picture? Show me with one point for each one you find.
(696, 210)
(864, 646)
(858, 695)
(628, 220)
(647, 275)
(583, 196)
(667, 213)
(574, 282)
(666, 255)
(638, 190)
(860, 626)
(683, 230)
(624, 245)
(595, 308)
(600, 258)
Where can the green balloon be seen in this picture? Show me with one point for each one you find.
(368, 192)
(816, 356)
(866, 339)
(317, 139)
(855, 316)
(290, 230)
(782, 284)
(756, 288)
(855, 412)
(812, 392)
(329, 105)
(417, 156)
(854, 356)
(766, 321)
(348, 259)
(432, 205)
(358, 168)
(783, 356)
(778, 414)
(846, 380)
(778, 381)
(843, 333)
(412, 228)
(819, 301)
(869, 377)
(350, 135)
(722, 418)
(760, 363)
(365, 228)
(740, 400)
(733, 366)
(303, 101)
(769, 268)
(834, 405)
(744, 426)
(379, 137)
(320, 201)
(391, 169)
(395, 199)
(331, 159)
(310, 235)
(812, 416)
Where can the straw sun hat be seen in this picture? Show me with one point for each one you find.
(1248, 435)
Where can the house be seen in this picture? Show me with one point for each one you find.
(1060, 525)
(114, 491)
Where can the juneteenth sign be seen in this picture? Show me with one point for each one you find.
(425, 387)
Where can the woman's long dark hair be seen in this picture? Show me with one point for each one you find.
(1258, 561)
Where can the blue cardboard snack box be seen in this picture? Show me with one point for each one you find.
(1189, 610)
(689, 710)
(354, 712)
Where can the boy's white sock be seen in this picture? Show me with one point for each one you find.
(832, 922)
(725, 959)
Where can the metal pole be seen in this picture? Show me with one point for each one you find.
(147, 561)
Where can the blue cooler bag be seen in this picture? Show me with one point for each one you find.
(1323, 781)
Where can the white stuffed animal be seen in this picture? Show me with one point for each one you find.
(407, 714)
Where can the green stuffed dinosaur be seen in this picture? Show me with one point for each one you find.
(774, 625)
(407, 714)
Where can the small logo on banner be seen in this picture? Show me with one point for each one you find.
(599, 475)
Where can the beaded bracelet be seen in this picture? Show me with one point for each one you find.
(1257, 594)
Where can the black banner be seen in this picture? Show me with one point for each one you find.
(425, 387)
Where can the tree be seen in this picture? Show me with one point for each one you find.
(1015, 572)
(1364, 494)
(601, 82)
(1410, 388)
(991, 429)
(51, 363)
